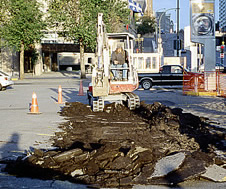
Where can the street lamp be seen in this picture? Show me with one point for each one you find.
(139, 41)
(160, 39)
(156, 27)
(161, 19)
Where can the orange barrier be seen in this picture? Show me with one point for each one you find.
(221, 84)
(205, 84)
(60, 101)
(81, 93)
(34, 105)
(193, 82)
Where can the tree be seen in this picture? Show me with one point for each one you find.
(3, 17)
(23, 27)
(147, 25)
(78, 20)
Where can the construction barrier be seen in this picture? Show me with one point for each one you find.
(205, 84)
(34, 105)
(221, 84)
(60, 101)
(81, 92)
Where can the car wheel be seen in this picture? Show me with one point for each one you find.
(0, 87)
(146, 84)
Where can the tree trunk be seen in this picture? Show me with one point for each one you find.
(82, 62)
(38, 64)
(22, 60)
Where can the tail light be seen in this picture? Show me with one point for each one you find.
(90, 87)
(6, 78)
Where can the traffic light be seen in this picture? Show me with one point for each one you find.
(177, 44)
(222, 48)
(222, 53)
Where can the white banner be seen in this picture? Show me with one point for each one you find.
(135, 7)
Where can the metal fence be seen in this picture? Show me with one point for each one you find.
(207, 83)
(221, 84)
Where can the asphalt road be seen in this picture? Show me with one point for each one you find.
(21, 132)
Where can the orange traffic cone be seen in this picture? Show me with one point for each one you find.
(34, 105)
(81, 93)
(60, 95)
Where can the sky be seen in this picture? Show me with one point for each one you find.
(184, 19)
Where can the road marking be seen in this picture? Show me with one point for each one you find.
(45, 134)
(17, 151)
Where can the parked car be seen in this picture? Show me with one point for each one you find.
(168, 75)
(5, 80)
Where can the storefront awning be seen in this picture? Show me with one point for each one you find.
(135, 7)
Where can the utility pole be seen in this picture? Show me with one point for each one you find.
(178, 40)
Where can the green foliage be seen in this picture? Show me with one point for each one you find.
(24, 23)
(147, 25)
(34, 56)
(3, 15)
(78, 18)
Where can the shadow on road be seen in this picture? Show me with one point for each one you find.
(10, 149)
(70, 95)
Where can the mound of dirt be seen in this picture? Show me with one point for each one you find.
(119, 147)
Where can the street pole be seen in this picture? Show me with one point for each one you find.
(139, 41)
(160, 40)
(157, 27)
(178, 27)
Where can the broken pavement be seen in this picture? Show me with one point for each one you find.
(119, 147)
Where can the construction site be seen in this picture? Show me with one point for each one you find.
(106, 131)
(121, 148)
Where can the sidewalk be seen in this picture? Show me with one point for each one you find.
(50, 75)
(53, 75)
(22, 130)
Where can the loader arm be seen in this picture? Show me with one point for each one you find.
(100, 73)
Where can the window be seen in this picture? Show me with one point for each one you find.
(148, 63)
(166, 69)
(140, 62)
(176, 69)
(89, 60)
(154, 63)
(135, 62)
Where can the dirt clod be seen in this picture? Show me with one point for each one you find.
(119, 147)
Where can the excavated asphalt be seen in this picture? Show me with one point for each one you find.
(21, 132)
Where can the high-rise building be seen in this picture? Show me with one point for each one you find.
(147, 6)
(222, 15)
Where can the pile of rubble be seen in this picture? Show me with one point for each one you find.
(118, 147)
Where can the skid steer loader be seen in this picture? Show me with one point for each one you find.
(103, 86)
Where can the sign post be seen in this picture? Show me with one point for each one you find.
(203, 31)
(222, 54)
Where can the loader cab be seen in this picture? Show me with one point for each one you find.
(124, 40)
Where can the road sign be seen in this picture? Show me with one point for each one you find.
(221, 55)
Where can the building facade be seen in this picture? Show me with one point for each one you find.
(222, 15)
